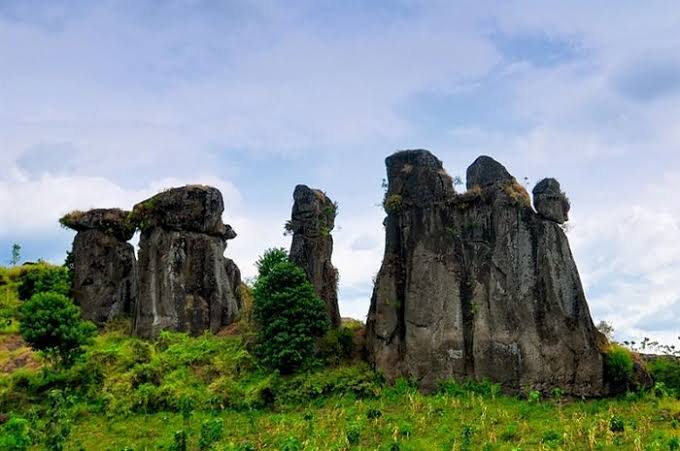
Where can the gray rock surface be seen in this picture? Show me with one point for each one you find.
(550, 201)
(478, 285)
(485, 171)
(104, 267)
(313, 220)
(192, 208)
(183, 280)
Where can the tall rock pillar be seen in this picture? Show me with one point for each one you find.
(313, 220)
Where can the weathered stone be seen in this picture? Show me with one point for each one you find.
(313, 220)
(477, 286)
(486, 171)
(234, 276)
(104, 265)
(111, 221)
(550, 201)
(192, 208)
(183, 280)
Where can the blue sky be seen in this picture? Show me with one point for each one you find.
(105, 103)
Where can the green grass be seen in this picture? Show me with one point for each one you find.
(130, 394)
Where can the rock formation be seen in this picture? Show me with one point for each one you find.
(550, 201)
(104, 266)
(313, 219)
(478, 285)
(183, 280)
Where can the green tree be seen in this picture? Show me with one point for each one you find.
(51, 324)
(16, 254)
(289, 315)
(42, 278)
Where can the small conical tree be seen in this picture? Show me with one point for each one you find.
(290, 316)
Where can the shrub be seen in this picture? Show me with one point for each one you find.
(619, 365)
(393, 203)
(51, 324)
(337, 345)
(290, 316)
(14, 435)
(616, 424)
(211, 433)
(666, 370)
(42, 278)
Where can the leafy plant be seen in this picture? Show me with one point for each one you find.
(211, 433)
(41, 278)
(289, 315)
(14, 435)
(619, 364)
(616, 424)
(51, 324)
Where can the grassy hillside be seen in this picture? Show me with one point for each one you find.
(208, 392)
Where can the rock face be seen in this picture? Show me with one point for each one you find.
(313, 220)
(477, 285)
(105, 269)
(183, 280)
(550, 201)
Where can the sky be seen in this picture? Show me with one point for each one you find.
(103, 104)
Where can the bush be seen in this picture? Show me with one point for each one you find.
(337, 346)
(617, 425)
(290, 316)
(51, 324)
(619, 365)
(666, 370)
(14, 435)
(42, 278)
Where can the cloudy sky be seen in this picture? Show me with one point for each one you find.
(105, 103)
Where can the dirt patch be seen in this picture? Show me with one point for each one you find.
(15, 354)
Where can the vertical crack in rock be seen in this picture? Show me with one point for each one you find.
(478, 285)
(312, 221)
(185, 282)
(105, 269)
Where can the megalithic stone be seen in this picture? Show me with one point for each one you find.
(313, 220)
(183, 280)
(478, 286)
(104, 265)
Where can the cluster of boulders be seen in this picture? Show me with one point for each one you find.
(182, 280)
(476, 285)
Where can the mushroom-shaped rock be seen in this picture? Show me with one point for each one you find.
(112, 221)
(550, 201)
(485, 171)
(477, 287)
(312, 221)
(183, 280)
(192, 208)
(104, 265)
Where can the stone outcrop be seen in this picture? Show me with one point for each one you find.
(550, 201)
(313, 220)
(183, 280)
(104, 265)
(477, 286)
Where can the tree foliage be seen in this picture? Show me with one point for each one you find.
(289, 315)
(51, 324)
(41, 278)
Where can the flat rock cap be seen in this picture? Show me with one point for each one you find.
(112, 221)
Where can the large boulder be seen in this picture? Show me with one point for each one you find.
(183, 280)
(478, 286)
(192, 208)
(550, 201)
(313, 220)
(485, 171)
(104, 265)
